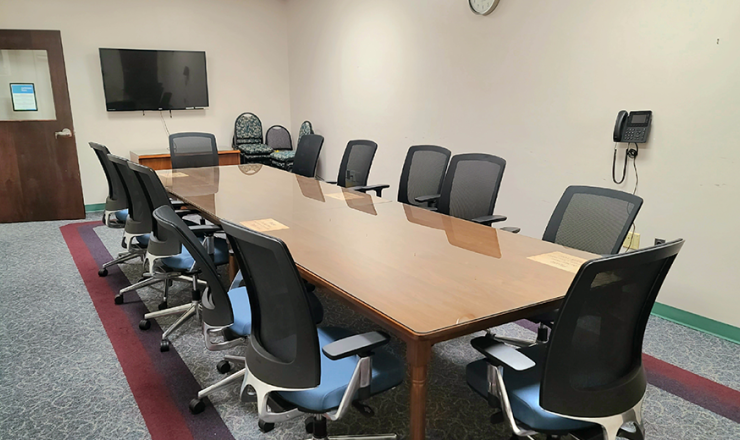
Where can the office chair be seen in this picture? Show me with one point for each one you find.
(470, 188)
(224, 314)
(193, 150)
(248, 139)
(588, 218)
(356, 162)
(307, 155)
(138, 224)
(278, 138)
(115, 203)
(588, 380)
(294, 367)
(423, 173)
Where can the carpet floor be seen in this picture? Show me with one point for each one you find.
(73, 365)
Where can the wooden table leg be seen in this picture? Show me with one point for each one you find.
(418, 354)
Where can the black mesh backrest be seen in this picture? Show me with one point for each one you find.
(138, 206)
(216, 309)
(116, 195)
(193, 150)
(284, 347)
(307, 155)
(423, 172)
(594, 359)
(162, 242)
(278, 138)
(471, 185)
(356, 162)
(592, 219)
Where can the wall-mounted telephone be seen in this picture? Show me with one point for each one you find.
(633, 127)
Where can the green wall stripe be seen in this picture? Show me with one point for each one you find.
(691, 320)
(95, 207)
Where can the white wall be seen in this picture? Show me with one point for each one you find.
(540, 83)
(246, 50)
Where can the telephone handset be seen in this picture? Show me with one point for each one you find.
(632, 127)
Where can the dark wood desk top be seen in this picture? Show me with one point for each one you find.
(423, 274)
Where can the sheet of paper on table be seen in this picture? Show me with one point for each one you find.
(345, 196)
(560, 260)
(264, 225)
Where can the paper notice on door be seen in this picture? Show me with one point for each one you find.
(170, 173)
(346, 196)
(264, 225)
(560, 260)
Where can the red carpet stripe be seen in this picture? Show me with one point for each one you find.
(162, 418)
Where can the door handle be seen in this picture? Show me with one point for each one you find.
(64, 133)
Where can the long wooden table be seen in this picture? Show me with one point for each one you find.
(424, 276)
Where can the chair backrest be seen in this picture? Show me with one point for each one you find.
(193, 150)
(216, 310)
(594, 358)
(471, 185)
(306, 128)
(247, 130)
(592, 219)
(278, 138)
(284, 348)
(139, 212)
(116, 193)
(356, 162)
(423, 172)
(162, 242)
(307, 155)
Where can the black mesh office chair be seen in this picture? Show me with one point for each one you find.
(423, 173)
(302, 368)
(193, 150)
(115, 203)
(278, 138)
(356, 162)
(470, 188)
(307, 155)
(589, 377)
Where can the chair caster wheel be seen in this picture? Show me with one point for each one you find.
(164, 345)
(118, 299)
(103, 219)
(169, 283)
(266, 427)
(223, 367)
(163, 305)
(144, 324)
(103, 272)
(197, 406)
(309, 425)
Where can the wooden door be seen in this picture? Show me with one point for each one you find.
(39, 171)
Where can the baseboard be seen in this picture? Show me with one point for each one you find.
(95, 207)
(700, 323)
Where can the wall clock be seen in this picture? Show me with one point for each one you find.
(483, 7)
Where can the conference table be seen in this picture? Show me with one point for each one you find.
(423, 276)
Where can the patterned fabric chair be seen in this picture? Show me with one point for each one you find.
(278, 138)
(284, 158)
(248, 139)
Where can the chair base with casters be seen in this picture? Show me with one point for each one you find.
(133, 250)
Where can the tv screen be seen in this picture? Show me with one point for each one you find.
(153, 79)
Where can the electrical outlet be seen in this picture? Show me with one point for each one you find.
(659, 241)
(632, 241)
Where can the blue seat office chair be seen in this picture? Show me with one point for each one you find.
(225, 315)
(116, 208)
(193, 150)
(470, 188)
(588, 380)
(249, 141)
(290, 362)
(422, 174)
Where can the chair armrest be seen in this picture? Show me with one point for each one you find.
(500, 353)
(183, 212)
(512, 229)
(333, 182)
(357, 344)
(427, 199)
(177, 203)
(377, 188)
(488, 219)
(206, 229)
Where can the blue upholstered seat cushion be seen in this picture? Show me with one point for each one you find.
(121, 215)
(184, 261)
(283, 155)
(143, 239)
(252, 149)
(523, 388)
(388, 371)
(242, 325)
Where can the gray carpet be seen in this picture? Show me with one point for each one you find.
(62, 379)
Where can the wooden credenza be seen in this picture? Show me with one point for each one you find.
(160, 160)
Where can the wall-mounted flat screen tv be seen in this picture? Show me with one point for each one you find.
(153, 79)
